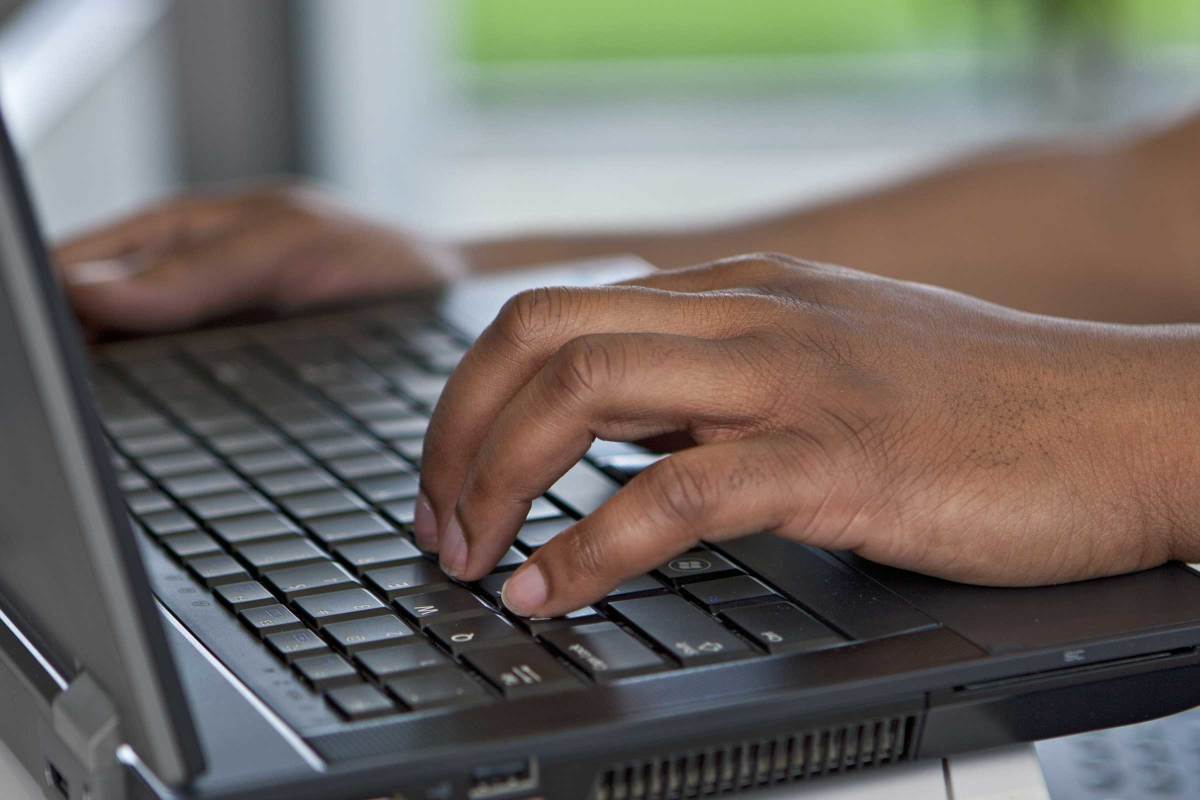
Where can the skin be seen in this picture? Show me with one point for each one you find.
(918, 426)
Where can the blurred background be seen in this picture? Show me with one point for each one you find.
(468, 117)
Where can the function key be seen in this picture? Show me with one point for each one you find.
(345, 604)
(520, 670)
(604, 651)
(240, 596)
(217, 569)
(385, 662)
(359, 702)
(696, 565)
(263, 556)
(358, 634)
(375, 553)
(738, 589)
(681, 629)
(269, 619)
(430, 608)
(413, 578)
(465, 634)
(326, 671)
(291, 645)
(783, 628)
(432, 688)
(319, 576)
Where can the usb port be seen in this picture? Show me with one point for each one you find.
(503, 780)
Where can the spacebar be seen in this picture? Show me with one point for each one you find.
(849, 600)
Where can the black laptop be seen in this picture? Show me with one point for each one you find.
(208, 588)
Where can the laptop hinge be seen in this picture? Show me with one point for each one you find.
(79, 742)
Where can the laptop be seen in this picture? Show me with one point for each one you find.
(208, 589)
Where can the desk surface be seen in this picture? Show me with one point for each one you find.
(1010, 773)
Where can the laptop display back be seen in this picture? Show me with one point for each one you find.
(70, 569)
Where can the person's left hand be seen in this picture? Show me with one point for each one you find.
(912, 425)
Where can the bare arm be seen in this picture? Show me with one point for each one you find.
(1102, 230)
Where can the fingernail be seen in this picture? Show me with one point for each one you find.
(109, 270)
(525, 592)
(454, 549)
(425, 525)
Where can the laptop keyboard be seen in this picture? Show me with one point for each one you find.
(279, 464)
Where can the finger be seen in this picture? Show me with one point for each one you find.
(620, 387)
(528, 330)
(159, 229)
(711, 492)
(189, 285)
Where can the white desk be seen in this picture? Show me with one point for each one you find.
(1010, 773)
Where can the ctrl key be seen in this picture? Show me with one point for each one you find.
(359, 702)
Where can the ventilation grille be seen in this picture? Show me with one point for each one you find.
(755, 763)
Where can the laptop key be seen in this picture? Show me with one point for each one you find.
(407, 657)
(338, 606)
(402, 511)
(541, 508)
(294, 481)
(535, 534)
(147, 501)
(166, 523)
(604, 652)
(783, 628)
(326, 671)
(321, 503)
(201, 483)
(359, 634)
(635, 587)
(584, 488)
(155, 444)
(430, 608)
(681, 629)
(382, 488)
(365, 466)
(319, 576)
(240, 596)
(190, 544)
(348, 444)
(213, 570)
(192, 460)
(252, 528)
(413, 578)
(432, 688)
(468, 633)
(739, 589)
(245, 441)
(491, 585)
(542, 625)
(696, 565)
(264, 556)
(276, 459)
(228, 504)
(398, 427)
(520, 670)
(511, 559)
(346, 527)
(375, 553)
(359, 702)
(269, 619)
(290, 645)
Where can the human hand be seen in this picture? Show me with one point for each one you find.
(197, 258)
(912, 425)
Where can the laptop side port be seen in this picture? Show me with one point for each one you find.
(508, 779)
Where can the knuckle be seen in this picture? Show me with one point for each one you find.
(587, 364)
(534, 315)
(683, 492)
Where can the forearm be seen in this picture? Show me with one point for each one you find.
(1108, 231)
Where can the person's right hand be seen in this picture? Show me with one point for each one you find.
(194, 259)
